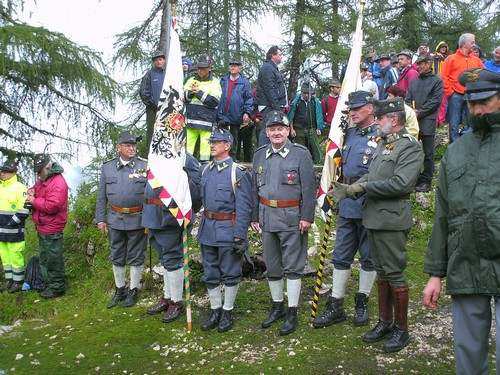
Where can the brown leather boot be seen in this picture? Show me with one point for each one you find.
(384, 326)
(160, 306)
(174, 310)
(400, 336)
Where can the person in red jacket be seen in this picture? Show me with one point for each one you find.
(49, 201)
(408, 72)
(329, 102)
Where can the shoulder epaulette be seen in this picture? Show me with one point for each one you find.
(261, 147)
(410, 137)
(109, 161)
(142, 159)
(240, 167)
(300, 146)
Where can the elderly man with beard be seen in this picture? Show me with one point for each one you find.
(466, 232)
(388, 184)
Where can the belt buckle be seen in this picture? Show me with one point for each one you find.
(126, 210)
(273, 203)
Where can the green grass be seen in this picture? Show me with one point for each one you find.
(54, 333)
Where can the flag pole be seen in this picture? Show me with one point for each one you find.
(323, 252)
(322, 259)
(187, 287)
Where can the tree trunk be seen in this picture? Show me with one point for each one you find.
(238, 29)
(225, 31)
(163, 44)
(335, 37)
(296, 58)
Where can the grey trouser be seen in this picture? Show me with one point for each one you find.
(127, 247)
(351, 237)
(168, 244)
(221, 265)
(471, 331)
(285, 254)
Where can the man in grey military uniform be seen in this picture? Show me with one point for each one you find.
(165, 236)
(390, 180)
(119, 212)
(227, 200)
(284, 193)
(357, 153)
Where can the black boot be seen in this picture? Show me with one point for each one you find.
(16, 286)
(131, 298)
(400, 336)
(360, 310)
(160, 306)
(334, 313)
(226, 321)
(120, 295)
(48, 293)
(384, 326)
(213, 320)
(291, 322)
(277, 312)
(174, 311)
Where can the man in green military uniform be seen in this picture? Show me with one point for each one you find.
(390, 179)
(464, 246)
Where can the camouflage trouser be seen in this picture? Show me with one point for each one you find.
(52, 261)
(309, 138)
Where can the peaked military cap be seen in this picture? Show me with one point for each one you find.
(383, 107)
(204, 62)
(383, 56)
(126, 137)
(423, 58)
(357, 99)
(9, 165)
(364, 66)
(157, 54)
(219, 134)
(406, 52)
(235, 61)
(276, 117)
(334, 83)
(41, 160)
(480, 83)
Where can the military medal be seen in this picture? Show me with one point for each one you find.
(260, 169)
(372, 143)
(386, 152)
(290, 177)
(365, 159)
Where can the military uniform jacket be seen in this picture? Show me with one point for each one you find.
(160, 217)
(223, 193)
(391, 178)
(285, 175)
(465, 241)
(123, 186)
(357, 153)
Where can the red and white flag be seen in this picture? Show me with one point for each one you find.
(167, 153)
(352, 81)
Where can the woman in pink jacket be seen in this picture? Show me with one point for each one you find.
(49, 198)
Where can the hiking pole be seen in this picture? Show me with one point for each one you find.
(187, 287)
(322, 258)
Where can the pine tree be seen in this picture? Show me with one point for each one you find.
(49, 86)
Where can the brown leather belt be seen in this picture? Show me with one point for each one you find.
(126, 210)
(279, 203)
(219, 215)
(158, 202)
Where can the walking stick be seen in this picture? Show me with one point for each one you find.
(187, 288)
(322, 258)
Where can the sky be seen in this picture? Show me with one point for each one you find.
(94, 23)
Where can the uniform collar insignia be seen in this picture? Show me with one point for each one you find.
(367, 130)
(269, 151)
(211, 165)
(391, 138)
(222, 166)
(283, 151)
(119, 164)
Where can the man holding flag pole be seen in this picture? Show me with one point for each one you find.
(333, 158)
(173, 187)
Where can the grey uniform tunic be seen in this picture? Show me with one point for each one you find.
(284, 175)
(123, 186)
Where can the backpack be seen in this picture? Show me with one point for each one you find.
(33, 275)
